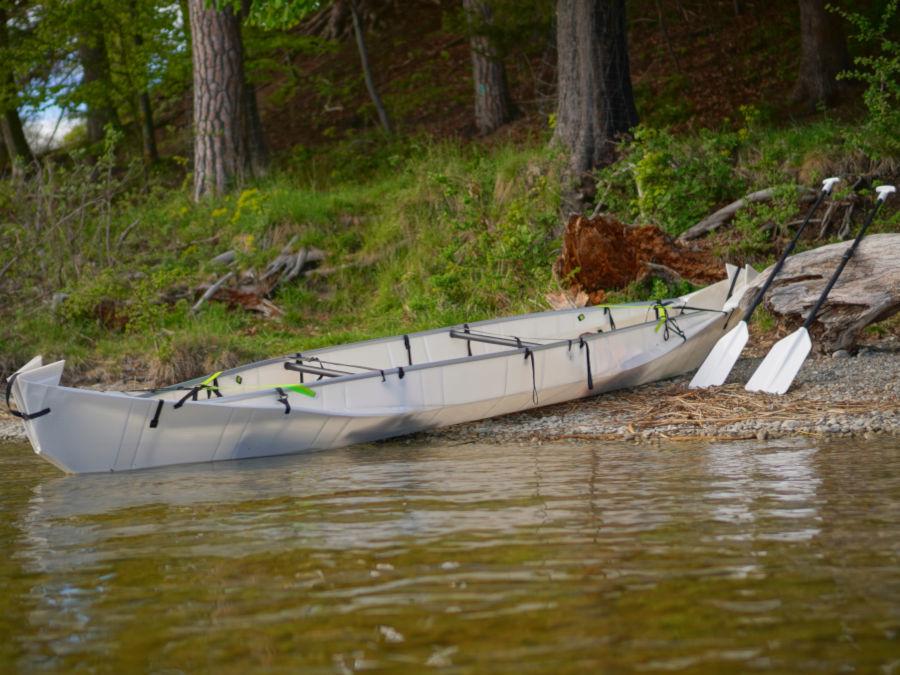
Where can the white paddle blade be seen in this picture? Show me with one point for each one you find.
(714, 370)
(781, 365)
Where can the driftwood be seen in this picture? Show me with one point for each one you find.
(252, 290)
(867, 291)
(211, 291)
(724, 214)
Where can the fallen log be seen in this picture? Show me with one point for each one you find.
(868, 290)
(724, 214)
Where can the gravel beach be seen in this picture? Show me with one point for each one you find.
(837, 395)
(840, 395)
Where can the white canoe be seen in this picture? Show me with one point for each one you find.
(365, 391)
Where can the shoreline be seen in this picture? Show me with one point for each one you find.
(839, 395)
(832, 396)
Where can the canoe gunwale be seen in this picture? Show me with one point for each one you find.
(401, 371)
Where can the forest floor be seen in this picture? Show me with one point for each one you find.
(698, 64)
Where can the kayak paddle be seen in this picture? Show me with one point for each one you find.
(725, 353)
(781, 365)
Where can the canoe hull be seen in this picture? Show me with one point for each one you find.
(90, 431)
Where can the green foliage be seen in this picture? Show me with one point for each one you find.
(879, 70)
(277, 14)
(755, 223)
(672, 181)
(135, 47)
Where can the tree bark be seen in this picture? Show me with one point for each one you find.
(14, 136)
(148, 130)
(257, 147)
(595, 99)
(493, 108)
(823, 54)
(10, 122)
(95, 82)
(367, 70)
(220, 138)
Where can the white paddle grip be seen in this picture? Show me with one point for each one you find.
(828, 184)
(885, 191)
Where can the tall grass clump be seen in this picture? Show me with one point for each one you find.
(473, 233)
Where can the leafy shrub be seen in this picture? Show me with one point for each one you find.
(880, 72)
(674, 182)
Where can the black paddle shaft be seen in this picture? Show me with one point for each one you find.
(846, 257)
(787, 252)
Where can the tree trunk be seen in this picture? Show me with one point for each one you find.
(257, 148)
(220, 145)
(10, 122)
(256, 140)
(14, 136)
(595, 99)
(367, 71)
(492, 103)
(95, 82)
(823, 54)
(148, 131)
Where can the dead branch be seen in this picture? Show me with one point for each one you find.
(211, 291)
(725, 214)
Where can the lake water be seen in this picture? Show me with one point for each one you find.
(617, 558)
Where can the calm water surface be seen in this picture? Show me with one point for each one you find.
(721, 557)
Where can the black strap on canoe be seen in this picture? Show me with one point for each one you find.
(468, 342)
(282, 398)
(192, 394)
(534, 395)
(19, 413)
(587, 350)
(408, 349)
(733, 282)
(155, 421)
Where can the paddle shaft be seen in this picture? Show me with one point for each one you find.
(846, 257)
(759, 296)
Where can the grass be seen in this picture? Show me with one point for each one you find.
(443, 233)
(101, 265)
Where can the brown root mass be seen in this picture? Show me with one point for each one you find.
(602, 253)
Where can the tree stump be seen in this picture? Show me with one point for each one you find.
(867, 291)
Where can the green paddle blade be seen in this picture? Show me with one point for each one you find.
(777, 371)
(714, 370)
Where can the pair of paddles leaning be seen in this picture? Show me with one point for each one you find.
(781, 365)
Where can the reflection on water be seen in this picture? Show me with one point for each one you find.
(613, 557)
(748, 486)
